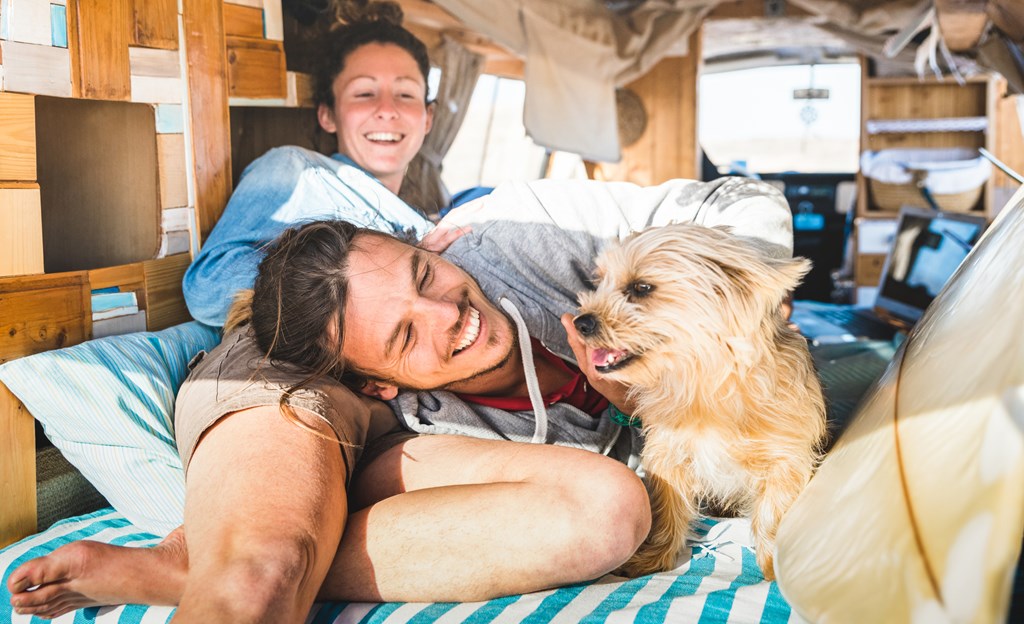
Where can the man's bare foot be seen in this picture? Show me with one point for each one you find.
(88, 574)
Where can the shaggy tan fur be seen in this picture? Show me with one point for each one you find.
(731, 408)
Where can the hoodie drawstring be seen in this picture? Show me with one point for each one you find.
(540, 431)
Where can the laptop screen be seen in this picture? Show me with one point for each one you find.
(926, 251)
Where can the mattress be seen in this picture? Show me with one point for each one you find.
(716, 580)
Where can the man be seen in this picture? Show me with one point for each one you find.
(427, 510)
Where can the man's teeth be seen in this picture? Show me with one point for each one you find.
(384, 136)
(472, 330)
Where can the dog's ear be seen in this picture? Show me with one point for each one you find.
(784, 275)
(791, 271)
(766, 280)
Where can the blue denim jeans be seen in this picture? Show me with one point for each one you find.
(285, 187)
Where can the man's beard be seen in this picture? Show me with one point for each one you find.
(514, 344)
(492, 340)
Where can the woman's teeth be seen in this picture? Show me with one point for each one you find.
(390, 137)
(472, 330)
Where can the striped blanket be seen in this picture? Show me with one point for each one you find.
(717, 580)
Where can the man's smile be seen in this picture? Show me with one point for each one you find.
(470, 331)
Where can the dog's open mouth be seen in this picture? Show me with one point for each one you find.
(607, 360)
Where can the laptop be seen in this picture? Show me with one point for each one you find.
(926, 250)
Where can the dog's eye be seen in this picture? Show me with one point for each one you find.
(639, 289)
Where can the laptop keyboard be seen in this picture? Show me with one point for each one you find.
(857, 321)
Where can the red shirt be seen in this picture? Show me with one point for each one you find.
(576, 392)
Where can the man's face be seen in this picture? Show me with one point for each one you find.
(418, 321)
(380, 113)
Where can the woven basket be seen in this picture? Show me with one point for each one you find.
(955, 177)
(894, 196)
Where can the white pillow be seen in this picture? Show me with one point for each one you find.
(108, 405)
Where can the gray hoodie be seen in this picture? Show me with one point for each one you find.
(531, 247)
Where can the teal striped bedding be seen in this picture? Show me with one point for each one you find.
(717, 580)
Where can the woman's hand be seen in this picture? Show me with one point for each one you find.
(614, 391)
(443, 235)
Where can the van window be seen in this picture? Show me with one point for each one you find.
(750, 119)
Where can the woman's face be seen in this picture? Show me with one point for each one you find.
(380, 114)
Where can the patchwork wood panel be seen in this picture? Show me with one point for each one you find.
(256, 68)
(170, 119)
(37, 69)
(105, 31)
(175, 219)
(155, 75)
(171, 162)
(125, 276)
(30, 21)
(74, 52)
(17, 469)
(42, 313)
(243, 21)
(129, 276)
(273, 20)
(177, 242)
(21, 231)
(208, 109)
(300, 90)
(166, 303)
(155, 23)
(249, 3)
(156, 63)
(17, 137)
(150, 90)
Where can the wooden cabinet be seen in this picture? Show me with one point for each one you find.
(913, 113)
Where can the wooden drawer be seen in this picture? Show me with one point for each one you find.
(868, 269)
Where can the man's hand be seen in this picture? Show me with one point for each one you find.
(614, 391)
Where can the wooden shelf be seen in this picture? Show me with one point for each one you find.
(910, 98)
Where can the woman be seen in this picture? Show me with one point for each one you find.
(432, 517)
(371, 93)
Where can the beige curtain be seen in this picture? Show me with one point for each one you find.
(576, 53)
(460, 68)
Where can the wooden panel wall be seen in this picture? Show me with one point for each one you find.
(256, 68)
(155, 24)
(17, 137)
(207, 85)
(166, 303)
(104, 31)
(21, 233)
(17, 469)
(668, 148)
(44, 312)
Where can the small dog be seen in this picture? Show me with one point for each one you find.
(689, 318)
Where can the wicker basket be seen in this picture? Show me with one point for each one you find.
(887, 196)
(954, 176)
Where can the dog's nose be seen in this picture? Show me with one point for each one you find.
(586, 324)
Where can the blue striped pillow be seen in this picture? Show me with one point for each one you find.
(108, 405)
